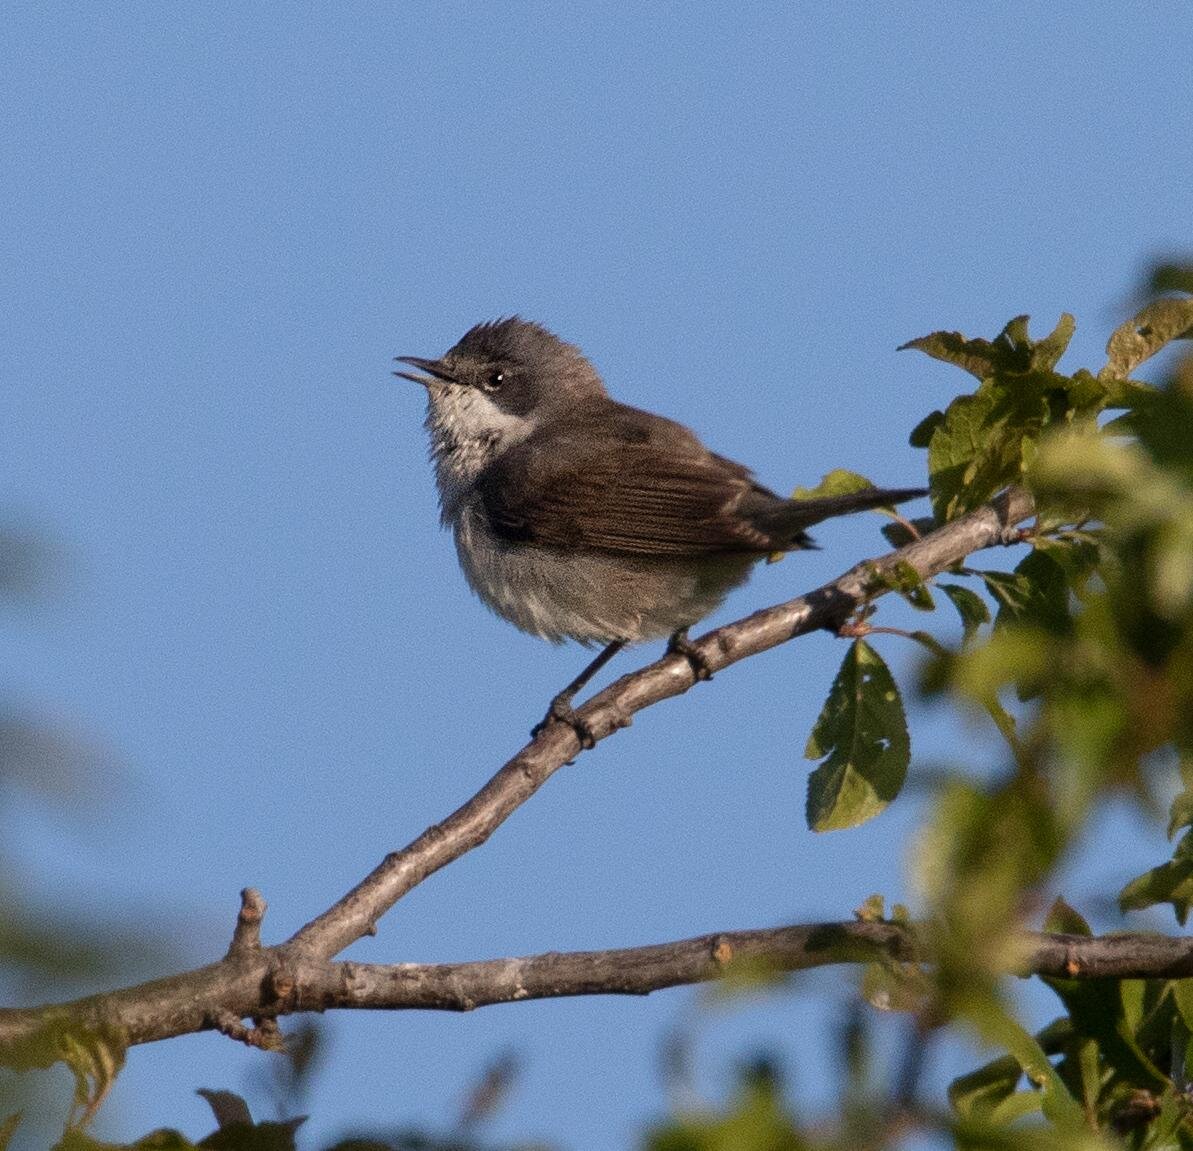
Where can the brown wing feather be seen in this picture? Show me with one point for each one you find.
(650, 489)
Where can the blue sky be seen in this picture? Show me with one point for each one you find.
(221, 221)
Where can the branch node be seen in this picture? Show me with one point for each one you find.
(722, 951)
(265, 1036)
(280, 987)
(1011, 536)
(1072, 965)
(246, 936)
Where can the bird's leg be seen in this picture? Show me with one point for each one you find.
(561, 710)
(679, 644)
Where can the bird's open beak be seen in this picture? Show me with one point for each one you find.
(434, 368)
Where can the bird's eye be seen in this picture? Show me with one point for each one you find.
(493, 381)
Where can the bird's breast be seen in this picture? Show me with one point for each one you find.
(591, 597)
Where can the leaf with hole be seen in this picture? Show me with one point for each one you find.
(862, 736)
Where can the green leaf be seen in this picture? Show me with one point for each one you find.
(1036, 594)
(921, 434)
(901, 577)
(985, 441)
(929, 641)
(862, 731)
(838, 482)
(1047, 352)
(1064, 919)
(1077, 553)
(1169, 883)
(981, 1091)
(977, 357)
(1182, 996)
(1012, 351)
(1058, 1104)
(1180, 814)
(970, 607)
(1098, 1011)
(1016, 1106)
(976, 450)
(1142, 336)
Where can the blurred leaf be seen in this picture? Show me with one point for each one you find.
(490, 1091)
(1169, 883)
(8, 1128)
(26, 563)
(899, 534)
(901, 987)
(838, 482)
(1180, 814)
(872, 910)
(1182, 997)
(160, 1140)
(227, 1107)
(1064, 920)
(754, 1121)
(48, 761)
(236, 1130)
(94, 1058)
(746, 975)
(1145, 334)
(981, 854)
(1020, 656)
(980, 1091)
(1172, 277)
(863, 732)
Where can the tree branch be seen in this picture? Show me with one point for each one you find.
(262, 983)
(269, 986)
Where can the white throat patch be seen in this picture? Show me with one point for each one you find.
(467, 431)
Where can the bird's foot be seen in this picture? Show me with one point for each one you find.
(679, 644)
(561, 711)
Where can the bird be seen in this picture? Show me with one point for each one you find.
(579, 517)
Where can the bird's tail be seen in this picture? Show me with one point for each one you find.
(788, 521)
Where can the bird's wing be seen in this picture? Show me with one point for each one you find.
(647, 488)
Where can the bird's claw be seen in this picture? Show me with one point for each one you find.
(561, 711)
(679, 644)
